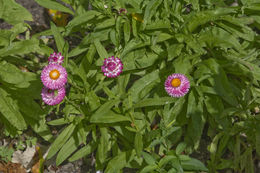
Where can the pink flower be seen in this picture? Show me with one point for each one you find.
(56, 58)
(54, 76)
(53, 97)
(112, 67)
(122, 11)
(177, 85)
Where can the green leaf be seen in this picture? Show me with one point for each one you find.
(142, 58)
(195, 4)
(9, 73)
(157, 25)
(61, 121)
(77, 50)
(9, 130)
(29, 107)
(7, 36)
(196, 19)
(191, 104)
(69, 110)
(84, 151)
(91, 53)
(167, 159)
(140, 84)
(93, 100)
(148, 158)
(163, 37)
(51, 4)
(82, 134)
(155, 102)
(132, 45)
(221, 83)
(257, 139)
(68, 148)
(217, 37)
(20, 48)
(127, 33)
(60, 42)
(122, 83)
(180, 148)
(100, 49)
(10, 110)
(108, 117)
(174, 51)
(61, 140)
(117, 163)
(214, 105)
(225, 164)
(149, 168)
(237, 27)
(193, 165)
(81, 19)
(41, 128)
(106, 24)
(103, 147)
(197, 120)
(13, 12)
(170, 115)
(138, 143)
(114, 37)
(182, 65)
(150, 10)
(237, 152)
(214, 146)
(105, 115)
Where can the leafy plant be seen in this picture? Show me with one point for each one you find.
(6, 153)
(18, 77)
(130, 121)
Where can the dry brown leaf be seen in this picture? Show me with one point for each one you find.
(38, 161)
(12, 168)
(36, 167)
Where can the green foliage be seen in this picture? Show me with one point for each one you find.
(9, 9)
(6, 154)
(20, 90)
(130, 121)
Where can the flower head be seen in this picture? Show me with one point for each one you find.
(53, 97)
(112, 67)
(177, 85)
(54, 76)
(122, 11)
(56, 58)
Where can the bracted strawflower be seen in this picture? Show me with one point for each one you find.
(54, 76)
(56, 58)
(122, 11)
(53, 97)
(112, 67)
(177, 85)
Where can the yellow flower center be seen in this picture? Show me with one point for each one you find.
(176, 82)
(54, 74)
